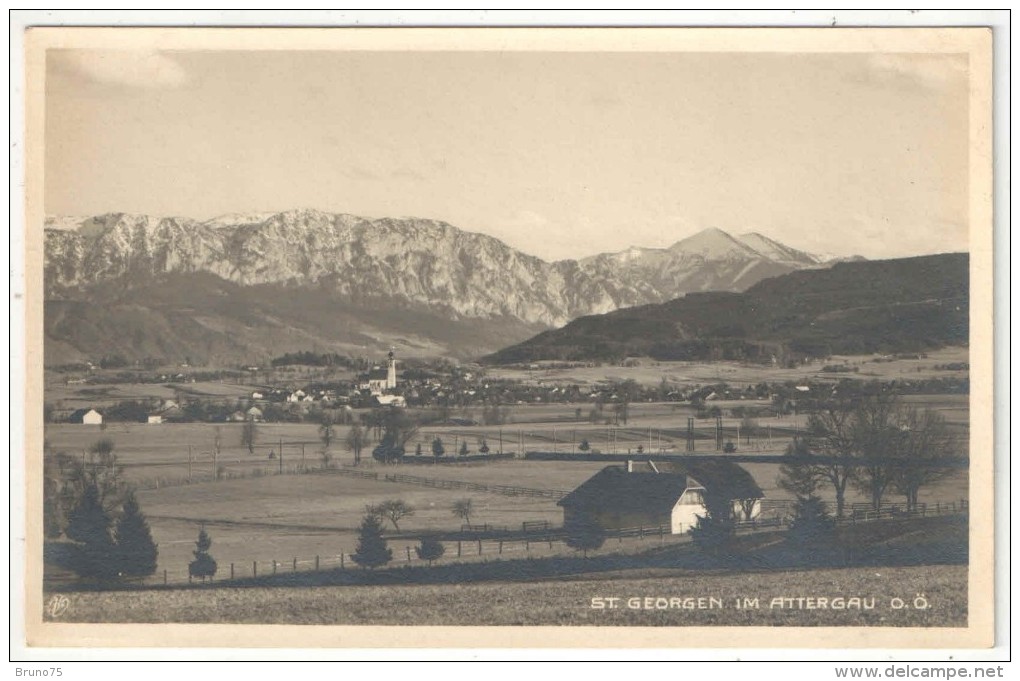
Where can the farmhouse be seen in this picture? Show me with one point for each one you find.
(254, 414)
(86, 416)
(660, 494)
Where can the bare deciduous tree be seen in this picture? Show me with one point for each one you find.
(463, 508)
(393, 510)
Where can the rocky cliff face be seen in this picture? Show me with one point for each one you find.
(408, 261)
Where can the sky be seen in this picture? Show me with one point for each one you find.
(561, 155)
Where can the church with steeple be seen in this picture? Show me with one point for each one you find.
(379, 380)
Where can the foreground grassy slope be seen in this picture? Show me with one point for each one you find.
(877, 561)
(566, 602)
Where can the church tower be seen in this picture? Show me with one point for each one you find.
(391, 372)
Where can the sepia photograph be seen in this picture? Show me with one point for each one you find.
(582, 337)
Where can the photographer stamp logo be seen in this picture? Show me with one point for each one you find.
(57, 606)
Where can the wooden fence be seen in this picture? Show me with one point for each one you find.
(552, 544)
(491, 544)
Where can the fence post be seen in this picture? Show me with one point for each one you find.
(164, 577)
(501, 547)
(408, 553)
(254, 568)
(231, 570)
(316, 563)
(458, 548)
(274, 566)
(479, 547)
(295, 565)
(341, 560)
(641, 532)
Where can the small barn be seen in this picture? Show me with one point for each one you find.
(86, 416)
(660, 494)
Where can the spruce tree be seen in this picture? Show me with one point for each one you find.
(136, 550)
(715, 530)
(437, 448)
(89, 525)
(812, 525)
(203, 566)
(372, 551)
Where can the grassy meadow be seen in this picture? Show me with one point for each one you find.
(255, 514)
(565, 601)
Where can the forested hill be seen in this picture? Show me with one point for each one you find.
(901, 305)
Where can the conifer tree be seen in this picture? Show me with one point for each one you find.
(136, 551)
(203, 566)
(89, 525)
(372, 551)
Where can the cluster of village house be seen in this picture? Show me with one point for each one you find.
(377, 385)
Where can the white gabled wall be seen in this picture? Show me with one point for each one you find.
(686, 511)
(689, 506)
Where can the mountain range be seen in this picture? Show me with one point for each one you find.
(242, 286)
(900, 305)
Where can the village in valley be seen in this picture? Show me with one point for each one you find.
(515, 337)
(279, 464)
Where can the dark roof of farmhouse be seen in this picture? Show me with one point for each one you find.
(375, 374)
(614, 488)
(720, 475)
(645, 490)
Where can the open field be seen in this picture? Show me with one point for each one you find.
(566, 601)
(159, 454)
(255, 514)
(651, 372)
(281, 517)
(285, 516)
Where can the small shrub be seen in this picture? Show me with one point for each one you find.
(430, 549)
(585, 535)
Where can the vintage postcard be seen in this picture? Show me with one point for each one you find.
(509, 338)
